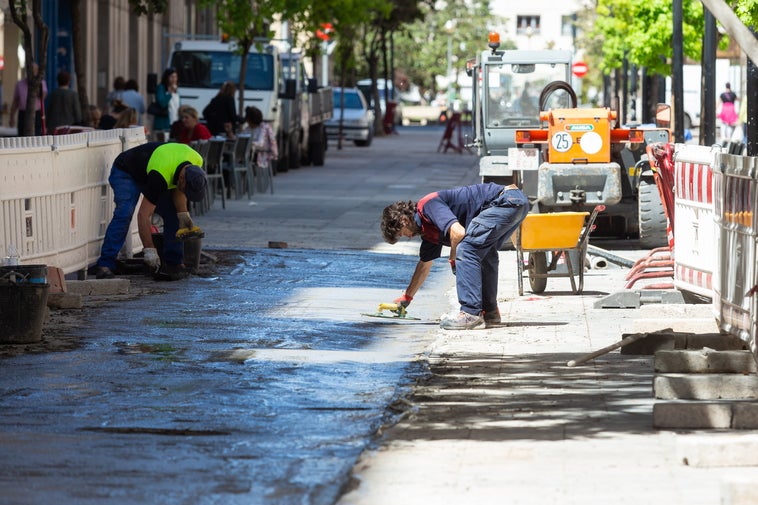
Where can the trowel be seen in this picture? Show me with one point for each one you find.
(396, 311)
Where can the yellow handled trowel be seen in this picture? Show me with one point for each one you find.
(396, 311)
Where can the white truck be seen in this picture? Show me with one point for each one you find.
(275, 82)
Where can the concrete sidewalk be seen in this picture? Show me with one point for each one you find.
(503, 419)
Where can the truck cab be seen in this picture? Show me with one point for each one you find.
(204, 65)
(506, 88)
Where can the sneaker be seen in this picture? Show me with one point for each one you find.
(462, 321)
(492, 317)
(104, 273)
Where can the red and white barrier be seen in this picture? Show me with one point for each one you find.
(694, 225)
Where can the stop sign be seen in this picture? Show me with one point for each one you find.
(579, 69)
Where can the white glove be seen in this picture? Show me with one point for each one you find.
(151, 258)
(185, 221)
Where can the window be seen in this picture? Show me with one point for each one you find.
(527, 25)
(210, 69)
(567, 25)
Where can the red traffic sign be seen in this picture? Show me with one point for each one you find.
(579, 69)
(325, 32)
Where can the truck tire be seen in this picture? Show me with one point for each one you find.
(652, 218)
(283, 163)
(316, 145)
(294, 150)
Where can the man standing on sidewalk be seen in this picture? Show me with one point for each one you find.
(474, 221)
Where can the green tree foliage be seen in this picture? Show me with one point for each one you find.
(421, 47)
(248, 22)
(747, 11)
(641, 32)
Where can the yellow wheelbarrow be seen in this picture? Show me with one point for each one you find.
(557, 234)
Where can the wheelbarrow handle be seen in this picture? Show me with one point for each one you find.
(590, 223)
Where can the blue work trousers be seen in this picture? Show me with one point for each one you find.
(477, 257)
(126, 193)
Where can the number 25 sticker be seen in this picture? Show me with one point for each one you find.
(561, 142)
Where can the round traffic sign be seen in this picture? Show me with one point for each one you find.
(579, 69)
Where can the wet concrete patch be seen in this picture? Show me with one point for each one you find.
(260, 385)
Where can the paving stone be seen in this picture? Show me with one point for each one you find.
(620, 300)
(679, 317)
(667, 339)
(661, 340)
(739, 492)
(64, 301)
(715, 341)
(692, 415)
(99, 287)
(704, 361)
(57, 280)
(724, 450)
(745, 416)
(705, 387)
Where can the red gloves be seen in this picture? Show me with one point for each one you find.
(404, 300)
(452, 265)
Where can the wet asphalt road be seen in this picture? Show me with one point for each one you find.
(260, 385)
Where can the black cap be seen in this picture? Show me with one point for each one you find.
(195, 183)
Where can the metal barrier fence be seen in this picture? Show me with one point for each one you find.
(735, 200)
(695, 230)
(55, 201)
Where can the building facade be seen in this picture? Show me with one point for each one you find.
(116, 42)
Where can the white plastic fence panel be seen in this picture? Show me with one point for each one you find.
(735, 201)
(694, 225)
(55, 201)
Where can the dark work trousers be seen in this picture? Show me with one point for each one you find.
(126, 193)
(477, 258)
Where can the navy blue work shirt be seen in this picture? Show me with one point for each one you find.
(436, 213)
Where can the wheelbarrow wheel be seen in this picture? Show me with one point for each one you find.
(538, 271)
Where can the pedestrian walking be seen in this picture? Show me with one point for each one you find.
(474, 221)
(167, 175)
(63, 105)
(167, 100)
(18, 106)
(728, 112)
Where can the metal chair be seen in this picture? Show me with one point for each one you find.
(264, 175)
(214, 172)
(201, 146)
(239, 166)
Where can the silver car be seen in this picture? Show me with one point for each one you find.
(356, 118)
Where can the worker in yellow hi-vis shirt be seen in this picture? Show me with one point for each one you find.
(168, 175)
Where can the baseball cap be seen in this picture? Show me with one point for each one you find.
(195, 183)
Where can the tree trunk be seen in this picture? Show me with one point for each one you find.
(79, 64)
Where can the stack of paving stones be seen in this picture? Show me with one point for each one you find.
(702, 381)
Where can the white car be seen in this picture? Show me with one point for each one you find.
(357, 120)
